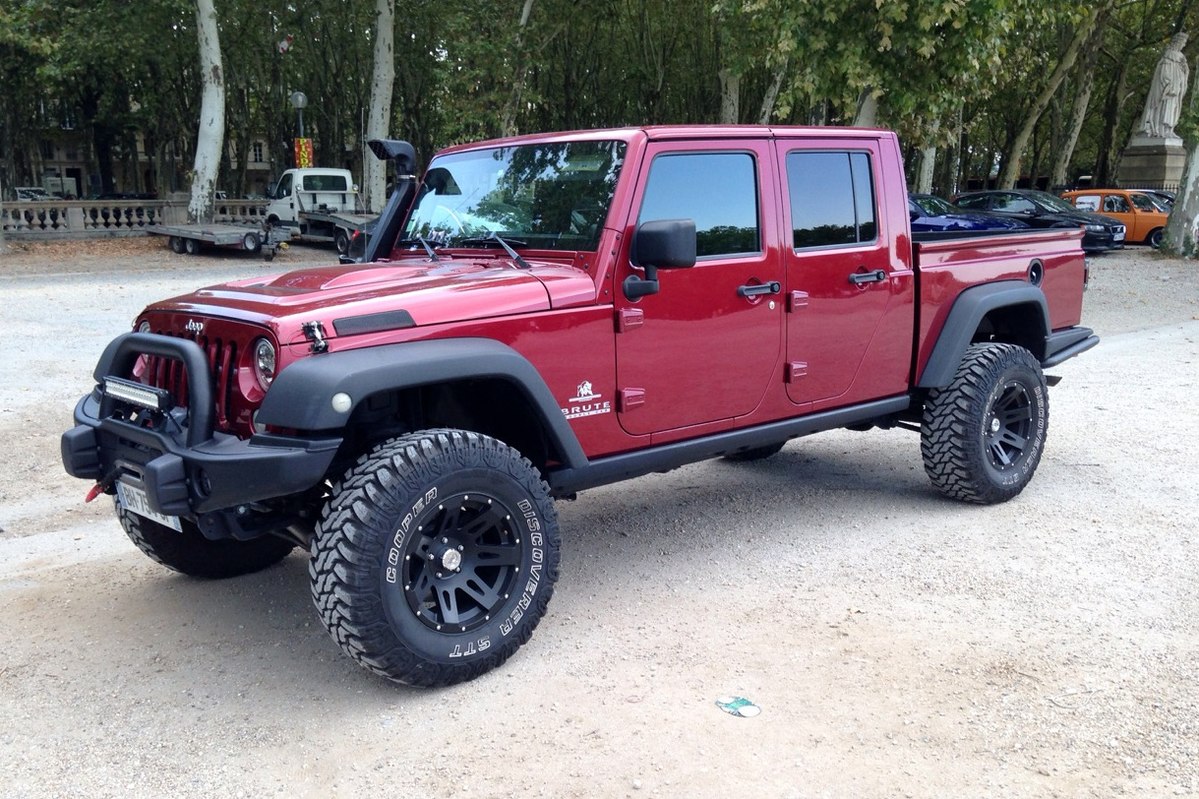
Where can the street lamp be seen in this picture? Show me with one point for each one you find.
(299, 101)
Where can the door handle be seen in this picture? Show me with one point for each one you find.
(757, 289)
(861, 278)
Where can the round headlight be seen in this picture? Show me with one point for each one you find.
(264, 362)
(144, 327)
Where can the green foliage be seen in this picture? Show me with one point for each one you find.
(119, 68)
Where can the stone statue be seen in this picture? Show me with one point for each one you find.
(1163, 106)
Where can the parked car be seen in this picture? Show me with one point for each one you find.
(931, 213)
(1143, 218)
(33, 194)
(1042, 209)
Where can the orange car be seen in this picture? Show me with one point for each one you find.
(1141, 215)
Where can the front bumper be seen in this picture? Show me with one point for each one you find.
(185, 467)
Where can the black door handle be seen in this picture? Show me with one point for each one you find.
(860, 278)
(773, 287)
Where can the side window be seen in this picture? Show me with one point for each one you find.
(284, 187)
(832, 198)
(718, 190)
(978, 201)
(1087, 202)
(1115, 204)
(1014, 204)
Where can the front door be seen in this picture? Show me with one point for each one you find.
(703, 348)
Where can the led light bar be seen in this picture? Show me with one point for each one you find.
(156, 399)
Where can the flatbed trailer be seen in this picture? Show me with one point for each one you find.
(190, 238)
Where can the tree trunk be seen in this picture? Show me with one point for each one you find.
(521, 73)
(924, 175)
(378, 120)
(867, 116)
(1182, 228)
(730, 97)
(210, 137)
(1011, 167)
(1081, 103)
(772, 94)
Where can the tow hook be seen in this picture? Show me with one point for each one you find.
(102, 486)
(315, 332)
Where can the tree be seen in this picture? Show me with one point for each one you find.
(211, 136)
(378, 121)
(1082, 32)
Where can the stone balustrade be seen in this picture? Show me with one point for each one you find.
(82, 219)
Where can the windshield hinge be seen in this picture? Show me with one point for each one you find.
(315, 332)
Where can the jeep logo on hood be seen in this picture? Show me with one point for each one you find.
(194, 326)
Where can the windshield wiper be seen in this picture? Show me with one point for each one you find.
(506, 244)
(422, 241)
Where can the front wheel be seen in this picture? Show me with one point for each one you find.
(435, 557)
(341, 240)
(983, 434)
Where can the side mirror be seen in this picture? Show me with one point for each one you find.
(660, 244)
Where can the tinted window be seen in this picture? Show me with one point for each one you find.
(976, 202)
(832, 198)
(325, 183)
(718, 190)
(1013, 204)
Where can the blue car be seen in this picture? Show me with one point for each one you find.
(932, 214)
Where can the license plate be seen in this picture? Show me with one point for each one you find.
(134, 499)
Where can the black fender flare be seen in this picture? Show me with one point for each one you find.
(969, 309)
(301, 395)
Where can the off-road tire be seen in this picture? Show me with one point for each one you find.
(435, 556)
(190, 553)
(755, 453)
(982, 436)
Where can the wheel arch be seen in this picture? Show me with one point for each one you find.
(471, 383)
(1010, 311)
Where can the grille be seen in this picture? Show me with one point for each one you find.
(169, 373)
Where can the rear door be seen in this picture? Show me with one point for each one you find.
(850, 314)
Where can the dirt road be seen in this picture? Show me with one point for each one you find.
(898, 644)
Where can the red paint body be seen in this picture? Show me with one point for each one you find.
(695, 358)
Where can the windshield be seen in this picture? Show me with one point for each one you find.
(545, 196)
(1051, 202)
(1144, 202)
(934, 206)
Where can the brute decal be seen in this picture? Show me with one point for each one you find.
(586, 402)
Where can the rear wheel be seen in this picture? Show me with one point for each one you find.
(176, 244)
(251, 242)
(190, 553)
(1155, 237)
(341, 240)
(435, 557)
(982, 435)
(192, 246)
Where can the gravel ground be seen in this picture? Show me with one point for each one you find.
(899, 644)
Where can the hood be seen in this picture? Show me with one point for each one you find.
(405, 293)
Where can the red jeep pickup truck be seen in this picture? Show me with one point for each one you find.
(544, 314)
